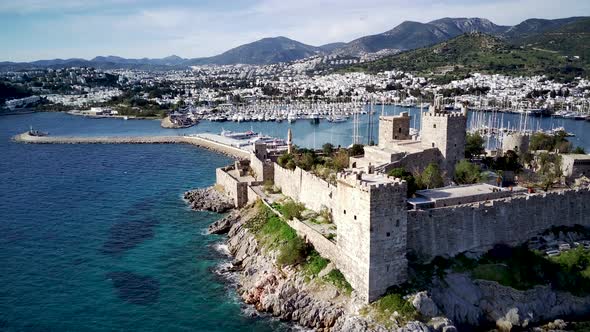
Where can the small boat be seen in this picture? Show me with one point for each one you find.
(291, 118)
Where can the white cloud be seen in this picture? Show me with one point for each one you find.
(133, 28)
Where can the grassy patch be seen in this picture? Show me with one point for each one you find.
(314, 264)
(385, 309)
(336, 278)
(290, 209)
(521, 268)
(274, 233)
(493, 272)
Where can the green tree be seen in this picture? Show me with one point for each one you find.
(283, 159)
(357, 150)
(306, 161)
(328, 148)
(579, 150)
(549, 169)
(401, 173)
(467, 173)
(432, 177)
(474, 145)
(340, 160)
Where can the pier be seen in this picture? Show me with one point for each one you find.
(193, 140)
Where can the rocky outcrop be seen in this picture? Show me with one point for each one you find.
(284, 292)
(223, 225)
(476, 302)
(208, 199)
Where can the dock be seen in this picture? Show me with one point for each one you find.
(196, 140)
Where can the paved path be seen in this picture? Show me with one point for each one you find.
(194, 140)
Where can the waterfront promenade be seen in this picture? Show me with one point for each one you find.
(193, 140)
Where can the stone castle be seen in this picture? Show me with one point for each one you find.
(377, 226)
(442, 141)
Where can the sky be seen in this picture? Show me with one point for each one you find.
(48, 29)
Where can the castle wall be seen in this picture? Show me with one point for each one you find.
(352, 216)
(388, 238)
(371, 235)
(237, 191)
(304, 187)
(451, 230)
(417, 162)
(263, 170)
(393, 128)
(445, 131)
(516, 142)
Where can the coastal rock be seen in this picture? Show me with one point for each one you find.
(208, 199)
(424, 304)
(472, 302)
(440, 324)
(285, 294)
(223, 225)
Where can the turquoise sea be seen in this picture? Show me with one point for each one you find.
(98, 238)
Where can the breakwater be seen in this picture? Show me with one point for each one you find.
(193, 140)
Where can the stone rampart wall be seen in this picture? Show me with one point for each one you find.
(451, 230)
(263, 170)
(237, 191)
(304, 187)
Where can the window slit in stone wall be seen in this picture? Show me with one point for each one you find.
(388, 234)
(434, 126)
(397, 223)
(344, 211)
(355, 217)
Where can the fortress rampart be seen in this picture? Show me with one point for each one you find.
(304, 187)
(449, 231)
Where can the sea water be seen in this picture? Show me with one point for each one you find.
(98, 238)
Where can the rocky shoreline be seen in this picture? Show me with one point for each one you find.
(286, 293)
(290, 295)
(208, 199)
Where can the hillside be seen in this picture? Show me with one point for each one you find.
(476, 52)
(536, 26)
(263, 51)
(572, 39)
(411, 35)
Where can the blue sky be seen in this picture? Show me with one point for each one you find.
(47, 29)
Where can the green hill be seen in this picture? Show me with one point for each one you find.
(476, 52)
(571, 40)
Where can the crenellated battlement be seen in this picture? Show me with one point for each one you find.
(370, 182)
(444, 114)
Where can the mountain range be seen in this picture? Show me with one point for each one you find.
(406, 36)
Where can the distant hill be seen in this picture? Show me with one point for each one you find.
(531, 33)
(535, 26)
(263, 51)
(411, 35)
(476, 52)
(332, 46)
(571, 39)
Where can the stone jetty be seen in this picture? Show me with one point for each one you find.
(193, 140)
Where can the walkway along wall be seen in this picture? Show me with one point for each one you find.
(451, 230)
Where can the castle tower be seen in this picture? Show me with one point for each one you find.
(371, 218)
(445, 131)
(260, 150)
(289, 141)
(517, 142)
(393, 128)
